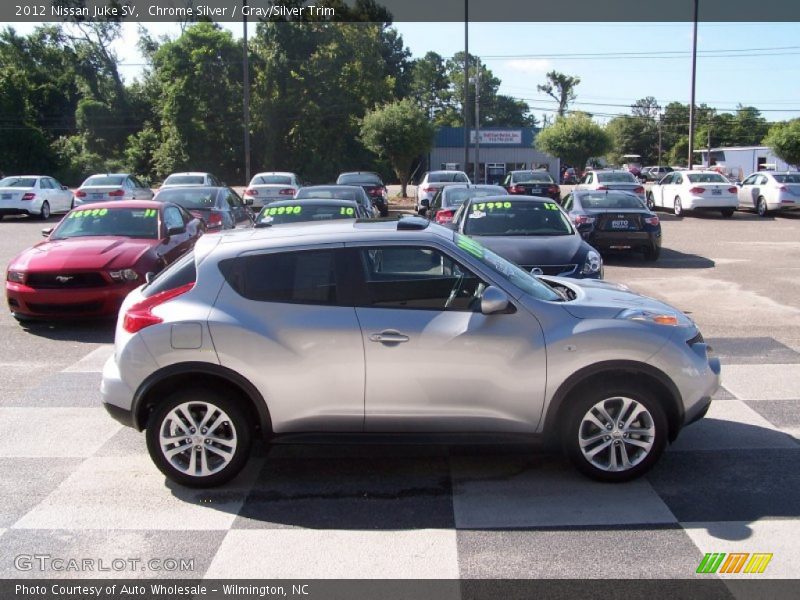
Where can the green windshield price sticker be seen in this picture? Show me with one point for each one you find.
(347, 211)
(92, 212)
(150, 212)
(283, 210)
(491, 206)
(550, 206)
(469, 246)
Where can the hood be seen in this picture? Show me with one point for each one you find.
(598, 299)
(96, 253)
(534, 250)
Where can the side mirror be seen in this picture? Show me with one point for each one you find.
(176, 230)
(425, 203)
(65, 188)
(47, 231)
(493, 301)
(149, 276)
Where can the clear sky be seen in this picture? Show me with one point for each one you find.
(749, 63)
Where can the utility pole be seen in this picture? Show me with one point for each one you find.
(465, 106)
(477, 121)
(708, 158)
(694, 77)
(246, 96)
(659, 139)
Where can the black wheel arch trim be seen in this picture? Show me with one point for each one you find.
(551, 426)
(256, 399)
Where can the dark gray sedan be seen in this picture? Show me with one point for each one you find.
(533, 232)
(218, 207)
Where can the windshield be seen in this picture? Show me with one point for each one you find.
(790, 178)
(706, 178)
(447, 177)
(512, 218)
(455, 196)
(184, 180)
(531, 177)
(341, 194)
(271, 179)
(124, 222)
(276, 215)
(615, 178)
(359, 178)
(610, 200)
(104, 180)
(19, 182)
(191, 198)
(520, 278)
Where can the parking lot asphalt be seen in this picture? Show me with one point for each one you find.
(74, 483)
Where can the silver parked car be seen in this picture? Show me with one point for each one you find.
(114, 186)
(395, 327)
(611, 180)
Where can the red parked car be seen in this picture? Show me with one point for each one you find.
(95, 256)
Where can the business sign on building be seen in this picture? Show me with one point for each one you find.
(498, 136)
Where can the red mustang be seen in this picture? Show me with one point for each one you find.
(95, 256)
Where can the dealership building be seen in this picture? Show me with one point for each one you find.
(500, 150)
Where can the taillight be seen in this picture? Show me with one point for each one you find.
(116, 193)
(376, 191)
(696, 190)
(428, 188)
(214, 221)
(638, 190)
(517, 189)
(553, 189)
(602, 188)
(444, 216)
(251, 192)
(651, 220)
(29, 196)
(80, 194)
(582, 219)
(139, 315)
(287, 192)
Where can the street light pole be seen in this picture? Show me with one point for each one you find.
(246, 96)
(694, 78)
(465, 106)
(476, 178)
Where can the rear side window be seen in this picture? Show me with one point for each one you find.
(307, 277)
(182, 272)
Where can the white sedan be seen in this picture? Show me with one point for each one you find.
(114, 186)
(767, 191)
(271, 186)
(691, 190)
(623, 181)
(35, 195)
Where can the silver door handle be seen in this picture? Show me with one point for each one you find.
(388, 337)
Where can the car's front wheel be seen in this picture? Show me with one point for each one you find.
(761, 207)
(677, 207)
(727, 212)
(199, 438)
(45, 211)
(651, 203)
(615, 432)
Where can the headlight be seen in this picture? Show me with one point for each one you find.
(672, 319)
(16, 276)
(124, 275)
(593, 263)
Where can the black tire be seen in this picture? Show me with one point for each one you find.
(727, 212)
(234, 428)
(761, 207)
(651, 203)
(384, 211)
(611, 394)
(44, 214)
(677, 207)
(653, 253)
(72, 203)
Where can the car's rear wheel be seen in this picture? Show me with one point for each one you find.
(199, 438)
(727, 212)
(652, 253)
(651, 203)
(44, 214)
(615, 432)
(761, 207)
(677, 207)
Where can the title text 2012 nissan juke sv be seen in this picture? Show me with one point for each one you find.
(395, 327)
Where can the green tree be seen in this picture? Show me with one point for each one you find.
(784, 140)
(430, 85)
(399, 132)
(561, 88)
(574, 139)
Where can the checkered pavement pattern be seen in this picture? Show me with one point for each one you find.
(74, 484)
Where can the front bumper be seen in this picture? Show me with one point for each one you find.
(71, 303)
